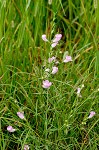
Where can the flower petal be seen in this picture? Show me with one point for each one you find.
(44, 38)
(57, 38)
(51, 59)
(46, 84)
(92, 113)
(67, 59)
(54, 70)
(54, 44)
(10, 129)
(20, 115)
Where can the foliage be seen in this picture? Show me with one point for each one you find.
(55, 118)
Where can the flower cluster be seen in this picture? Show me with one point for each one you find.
(55, 41)
(46, 83)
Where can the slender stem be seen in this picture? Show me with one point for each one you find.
(46, 115)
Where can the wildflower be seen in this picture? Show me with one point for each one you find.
(67, 59)
(54, 44)
(92, 113)
(44, 38)
(26, 147)
(46, 84)
(57, 38)
(78, 92)
(10, 129)
(51, 59)
(54, 70)
(55, 41)
(20, 115)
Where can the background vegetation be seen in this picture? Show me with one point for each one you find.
(55, 118)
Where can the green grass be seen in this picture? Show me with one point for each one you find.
(56, 118)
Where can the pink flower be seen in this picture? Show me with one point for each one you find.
(54, 41)
(51, 59)
(92, 113)
(57, 38)
(44, 38)
(20, 115)
(10, 129)
(26, 147)
(67, 59)
(54, 70)
(46, 84)
(54, 44)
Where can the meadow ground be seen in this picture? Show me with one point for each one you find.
(49, 75)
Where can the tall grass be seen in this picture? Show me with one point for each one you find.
(55, 118)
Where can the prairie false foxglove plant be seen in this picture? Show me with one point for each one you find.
(46, 84)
